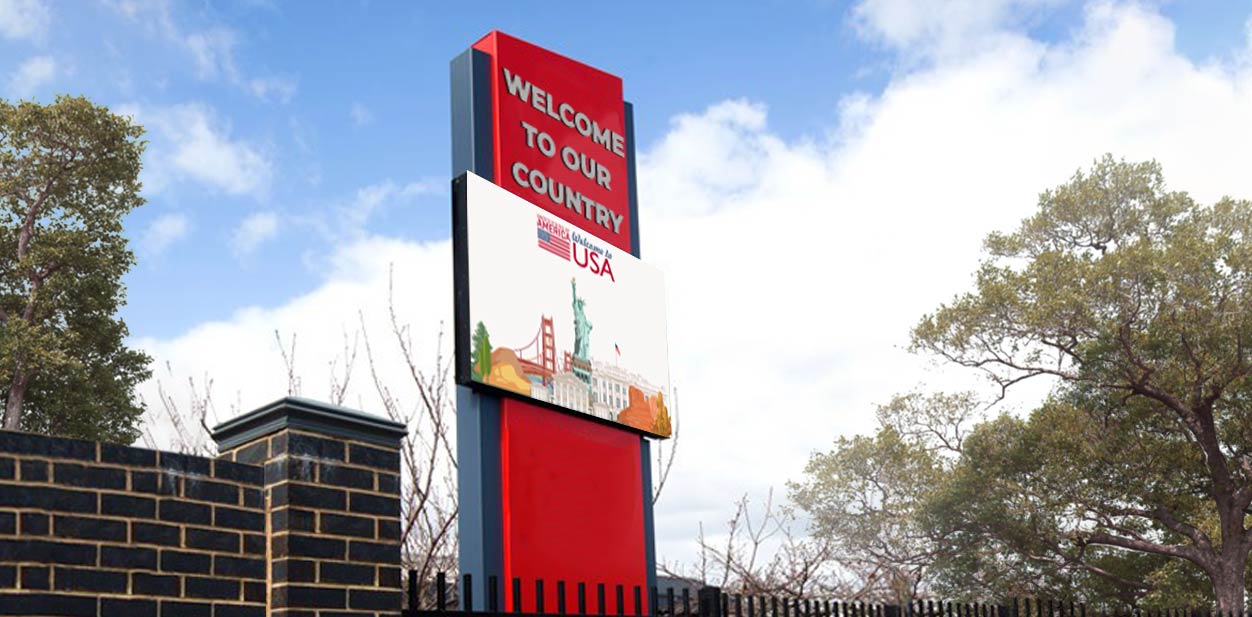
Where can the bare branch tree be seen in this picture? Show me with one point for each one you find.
(666, 452)
(428, 459)
(428, 456)
(341, 374)
(763, 553)
(289, 362)
(190, 424)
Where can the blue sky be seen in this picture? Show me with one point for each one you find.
(336, 98)
(385, 62)
(299, 159)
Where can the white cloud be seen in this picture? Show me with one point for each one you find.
(154, 15)
(190, 141)
(240, 354)
(925, 27)
(361, 115)
(795, 268)
(164, 231)
(213, 50)
(24, 19)
(353, 217)
(804, 264)
(252, 231)
(33, 74)
(273, 89)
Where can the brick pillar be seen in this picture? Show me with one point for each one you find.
(332, 488)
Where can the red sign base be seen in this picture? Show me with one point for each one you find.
(573, 506)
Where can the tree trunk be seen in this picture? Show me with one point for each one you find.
(13, 406)
(1228, 581)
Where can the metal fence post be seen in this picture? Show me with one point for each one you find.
(710, 600)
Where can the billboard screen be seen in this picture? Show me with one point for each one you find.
(549, 312)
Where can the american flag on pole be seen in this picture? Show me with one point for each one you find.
(554, 243)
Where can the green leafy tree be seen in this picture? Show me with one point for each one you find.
(69, 173)
(867, 494)
(1136, 302)
(480, 353)
(1008, 510)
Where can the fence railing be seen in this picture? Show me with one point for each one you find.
(1036, 607)
(443, 598)
(560, 598)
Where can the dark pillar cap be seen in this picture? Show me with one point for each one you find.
(307, 415)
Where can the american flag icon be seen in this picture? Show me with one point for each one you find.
(554, 244)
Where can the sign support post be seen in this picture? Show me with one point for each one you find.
(480, 548)
(645, 446)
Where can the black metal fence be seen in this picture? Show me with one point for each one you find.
(442, 598)
(561, 598)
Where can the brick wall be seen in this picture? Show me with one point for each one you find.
(333, 484)
(100, 530)
(334, 523)
(299, 517)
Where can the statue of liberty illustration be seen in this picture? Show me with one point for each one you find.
(582, 337)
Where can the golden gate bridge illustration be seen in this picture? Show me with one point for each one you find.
(538, 357)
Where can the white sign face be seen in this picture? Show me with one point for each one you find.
(558, 315)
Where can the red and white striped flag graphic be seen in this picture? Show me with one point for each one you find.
(554, 243)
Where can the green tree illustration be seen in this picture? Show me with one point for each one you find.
(480, 365)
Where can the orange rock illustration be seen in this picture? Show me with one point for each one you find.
(506, 372)
(662, 425)
(639, 414)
